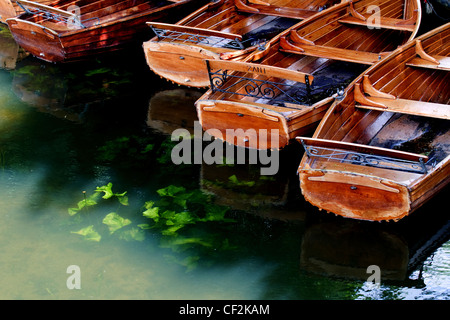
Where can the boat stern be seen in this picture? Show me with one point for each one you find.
(179, 63)
(243, 124)
(40, 41)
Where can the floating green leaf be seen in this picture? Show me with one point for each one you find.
(170, 191)
(151, 212)
(132, 234)
(86, 202)
(108, 193)
(107, 190)
(216, 213)
(89, 233)
(115, 222)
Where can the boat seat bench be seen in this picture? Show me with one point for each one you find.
(381, 101)
(319, 51)
(384, 23)
(444, 63)
(265, 8)
(419, 108)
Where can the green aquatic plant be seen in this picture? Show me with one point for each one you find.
(115, 222)
(178, 208)
(112, 220)
(240, 183)
(85, 203)
(89, 233)
(188, 222)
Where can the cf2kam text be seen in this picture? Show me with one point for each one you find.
(228, 309)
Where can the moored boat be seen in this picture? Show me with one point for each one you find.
(75, 30)
(383, 150)
(221, 30)
(284, 91)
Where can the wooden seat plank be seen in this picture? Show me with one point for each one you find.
(384, 23)
(420, 108)
(332, 53)
(444, 63)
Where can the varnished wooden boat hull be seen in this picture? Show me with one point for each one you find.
(403, 107)
(58, 43)
(10, 9)
(182, 62)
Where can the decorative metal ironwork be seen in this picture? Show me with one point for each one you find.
(212, 41)
(277, 92)
(73, 20)
(365, 159)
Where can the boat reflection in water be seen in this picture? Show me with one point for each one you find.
(173, 109)
(68, 92)
(345, 248)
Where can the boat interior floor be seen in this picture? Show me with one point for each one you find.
(267, 31)
(331, 77)
(416, 134)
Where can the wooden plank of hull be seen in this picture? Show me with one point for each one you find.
(72, 45)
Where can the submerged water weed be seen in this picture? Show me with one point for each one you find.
(112, 220)
(187, 222)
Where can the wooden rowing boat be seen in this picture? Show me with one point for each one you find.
(221, 30)
(286, 90)
(10, 9)
(74, 30)
(384, 149)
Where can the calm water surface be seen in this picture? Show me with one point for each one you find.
(66, 130)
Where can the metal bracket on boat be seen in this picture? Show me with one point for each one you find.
(365, 159)
(213, 41)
